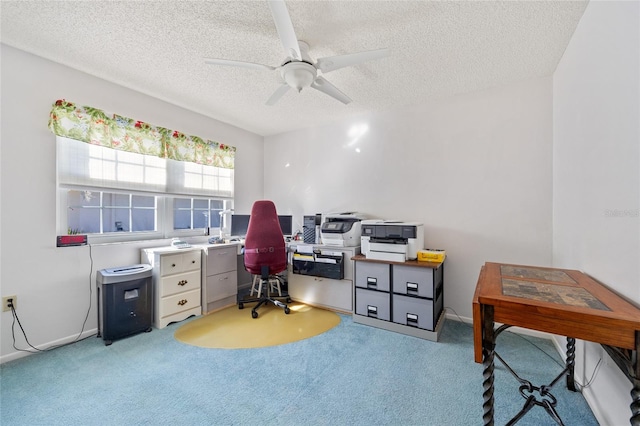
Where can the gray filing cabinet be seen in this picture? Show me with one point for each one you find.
(405, 297)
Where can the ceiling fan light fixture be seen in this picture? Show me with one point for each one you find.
(298, 75)
(299, 70)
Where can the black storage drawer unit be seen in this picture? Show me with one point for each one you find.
(416, 311)
(373, 304)
(374, 276)
(415, 281)
(405, 297)
(124, 301)
(320, 266)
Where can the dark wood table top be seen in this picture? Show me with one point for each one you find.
(559, 301)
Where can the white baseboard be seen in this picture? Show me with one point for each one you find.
(46, 346)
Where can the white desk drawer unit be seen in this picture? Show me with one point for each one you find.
(176, 303)
(219, 276)
(179, 283)
(180, 262)
(176, 283)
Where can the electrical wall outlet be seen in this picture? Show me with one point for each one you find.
(8, 301)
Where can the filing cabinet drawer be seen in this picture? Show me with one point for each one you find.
(373, 304)
(180, 262)
(221, 286)
(413, 311)
(220, 260)
(178, 283)
(374, 276)
(413, 281)
(180, 302)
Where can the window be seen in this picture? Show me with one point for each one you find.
(123, 178)
(118, 196)
(97, 212)
(196, 213)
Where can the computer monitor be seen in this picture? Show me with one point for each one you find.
(286, 224)
(239, 225)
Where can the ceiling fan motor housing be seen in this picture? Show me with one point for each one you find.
(298, 75)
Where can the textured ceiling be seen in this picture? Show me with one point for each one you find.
(438, 49)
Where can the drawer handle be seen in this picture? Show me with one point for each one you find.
(412, 287)
(173, 265)
(182, 282)
(412, 320)
(372, 282)
(182, 302)
(372, 311)
(193, 261)
(222, 279)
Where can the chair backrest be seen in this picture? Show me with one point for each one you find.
(264, 243)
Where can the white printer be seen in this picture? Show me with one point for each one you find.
(341, 229)
(391, 240)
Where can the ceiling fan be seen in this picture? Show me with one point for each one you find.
(298, 70)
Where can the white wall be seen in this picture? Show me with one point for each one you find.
(475, 169)
(53, 284)
(596, 169)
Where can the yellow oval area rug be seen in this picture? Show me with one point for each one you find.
(233, 328)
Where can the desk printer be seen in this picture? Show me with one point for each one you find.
(391, 240)
(341, 229)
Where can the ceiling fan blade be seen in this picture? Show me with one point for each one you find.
(324, 86)
(280, 91)
(285, 28)
(333, 63)
(230, 63)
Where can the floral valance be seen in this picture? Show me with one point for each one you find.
(94, 126)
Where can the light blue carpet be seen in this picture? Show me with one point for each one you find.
(351, 375)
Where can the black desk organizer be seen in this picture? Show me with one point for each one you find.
(320, 265)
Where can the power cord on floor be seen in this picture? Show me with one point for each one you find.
(35, 350)
(580, 386)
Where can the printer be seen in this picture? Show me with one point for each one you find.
(391, 240)
(341, 229)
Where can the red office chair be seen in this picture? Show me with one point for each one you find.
(265, 252)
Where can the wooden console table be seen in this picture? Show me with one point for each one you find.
(559, 301)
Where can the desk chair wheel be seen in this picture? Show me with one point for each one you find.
(240, 305)
(254, 314)
(287, 310)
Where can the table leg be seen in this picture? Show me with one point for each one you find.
(635, 402)
(629, 363)
(635, 381)
(488, 351)
(571, 363)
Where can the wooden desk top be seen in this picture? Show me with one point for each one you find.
(559, 301)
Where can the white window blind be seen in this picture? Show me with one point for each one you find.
(85, 165)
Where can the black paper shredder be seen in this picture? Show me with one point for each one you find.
(124, 301)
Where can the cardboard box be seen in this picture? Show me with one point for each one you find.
(431, 255)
